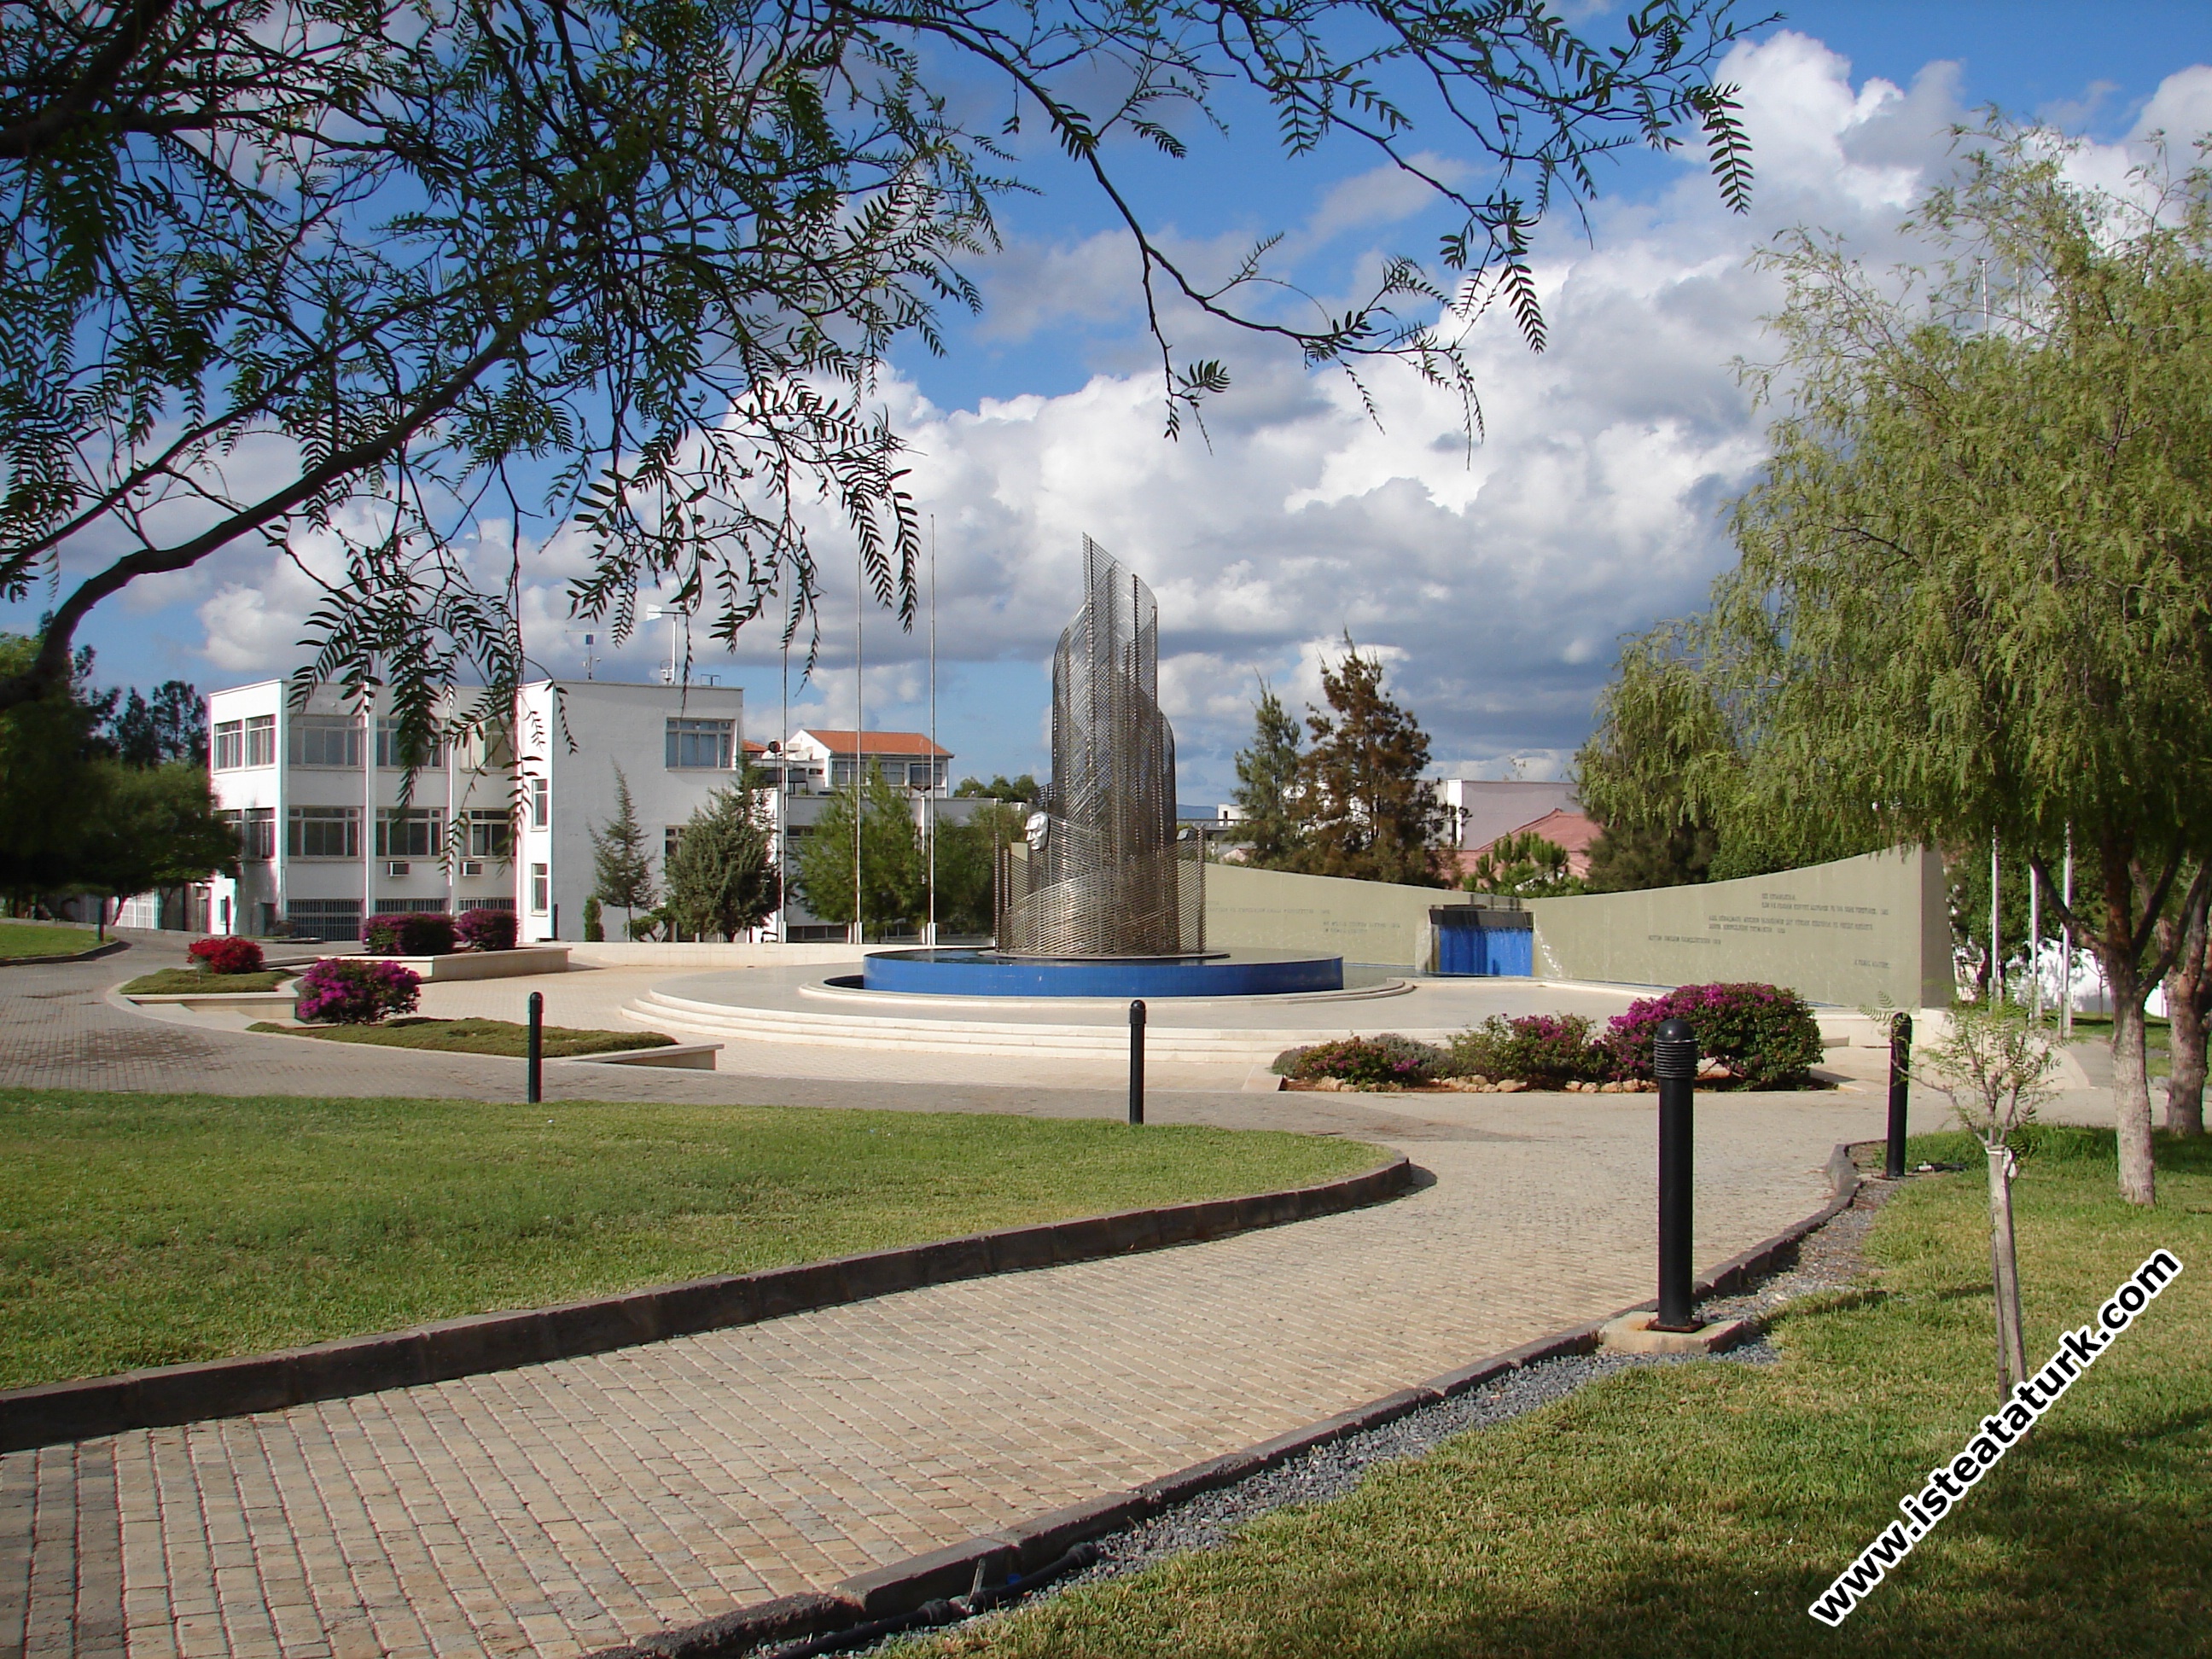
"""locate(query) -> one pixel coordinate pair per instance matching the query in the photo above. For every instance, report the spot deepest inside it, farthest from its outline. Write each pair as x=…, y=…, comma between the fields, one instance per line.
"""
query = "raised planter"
x=519, y=962
x=196, y=1000
x=683, y=1056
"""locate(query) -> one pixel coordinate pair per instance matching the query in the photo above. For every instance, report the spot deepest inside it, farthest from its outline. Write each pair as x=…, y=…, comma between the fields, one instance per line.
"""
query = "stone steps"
x=944, y=1035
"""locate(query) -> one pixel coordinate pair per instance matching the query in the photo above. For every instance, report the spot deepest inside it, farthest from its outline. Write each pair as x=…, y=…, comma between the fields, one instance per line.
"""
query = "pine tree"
x=622, y=868
x=722, y=878
x=1366, y=809
x=1522, y=864
x=1267, y=784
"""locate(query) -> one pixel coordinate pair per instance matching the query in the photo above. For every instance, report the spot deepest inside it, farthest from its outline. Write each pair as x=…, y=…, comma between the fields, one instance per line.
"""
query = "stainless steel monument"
x=1102, y=876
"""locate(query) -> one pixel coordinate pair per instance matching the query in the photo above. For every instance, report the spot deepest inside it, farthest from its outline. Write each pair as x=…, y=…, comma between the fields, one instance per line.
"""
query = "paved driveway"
x=569, y=1506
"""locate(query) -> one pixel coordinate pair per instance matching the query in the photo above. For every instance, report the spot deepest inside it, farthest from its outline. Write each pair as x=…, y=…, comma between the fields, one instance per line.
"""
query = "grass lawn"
x=36, y=938
x=477, y=1036
x=1699, y=1509
x=146, y=1229
x=189, y=981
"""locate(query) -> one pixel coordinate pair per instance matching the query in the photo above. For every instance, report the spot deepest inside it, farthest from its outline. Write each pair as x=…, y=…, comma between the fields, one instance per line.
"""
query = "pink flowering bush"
x=1536, y=1048
x=342, y=991
x=1763, y=1034
x=227, y=955
x=1384, y=1060
x=486, y=930
x=408, y=933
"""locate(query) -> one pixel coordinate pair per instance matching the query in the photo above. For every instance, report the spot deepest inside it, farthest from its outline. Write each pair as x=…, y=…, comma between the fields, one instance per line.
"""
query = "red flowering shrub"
x=1764, y=1035
x=227, y=955
x=347, y=991
x=488, y=930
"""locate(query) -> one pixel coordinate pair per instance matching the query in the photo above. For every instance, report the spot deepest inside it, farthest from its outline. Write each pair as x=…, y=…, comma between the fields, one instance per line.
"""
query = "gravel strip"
x=1829, y=1259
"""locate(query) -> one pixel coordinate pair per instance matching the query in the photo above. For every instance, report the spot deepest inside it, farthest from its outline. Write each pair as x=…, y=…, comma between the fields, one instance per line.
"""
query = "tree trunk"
x=2123, y=977
x=2130, y=1082
x=2188, y=999
x=2005, y=1262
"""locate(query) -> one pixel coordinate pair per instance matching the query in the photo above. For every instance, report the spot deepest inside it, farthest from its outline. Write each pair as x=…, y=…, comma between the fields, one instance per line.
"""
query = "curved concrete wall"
x=1854, y=933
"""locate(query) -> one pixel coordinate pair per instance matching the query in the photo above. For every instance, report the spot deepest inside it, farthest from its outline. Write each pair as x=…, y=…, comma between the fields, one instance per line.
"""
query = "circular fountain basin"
x=953, y=972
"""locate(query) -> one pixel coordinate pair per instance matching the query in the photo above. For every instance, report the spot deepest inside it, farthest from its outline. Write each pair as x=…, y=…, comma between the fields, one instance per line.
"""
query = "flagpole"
x=860, y=743
x=929, y=800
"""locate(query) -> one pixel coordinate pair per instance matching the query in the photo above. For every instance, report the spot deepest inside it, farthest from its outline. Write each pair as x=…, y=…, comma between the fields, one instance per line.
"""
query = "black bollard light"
x=1675, y=1062
x=1901, y=1089
x=1137, y=1061
x=537, y=1049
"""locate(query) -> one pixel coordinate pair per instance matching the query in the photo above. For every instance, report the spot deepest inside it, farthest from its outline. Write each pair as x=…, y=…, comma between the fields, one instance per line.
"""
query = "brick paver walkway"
x=569, y=1506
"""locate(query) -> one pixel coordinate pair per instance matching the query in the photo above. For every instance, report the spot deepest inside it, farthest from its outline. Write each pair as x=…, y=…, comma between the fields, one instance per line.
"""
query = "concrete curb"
x=905, y=1585
x=57, y=1414
x=93, y=955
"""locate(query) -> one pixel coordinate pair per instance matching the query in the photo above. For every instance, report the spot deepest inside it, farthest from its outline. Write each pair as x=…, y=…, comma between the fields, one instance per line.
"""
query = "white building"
x=330, y=834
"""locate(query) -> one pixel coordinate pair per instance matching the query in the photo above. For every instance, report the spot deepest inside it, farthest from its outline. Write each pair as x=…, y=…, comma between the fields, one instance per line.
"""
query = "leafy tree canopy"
x=1001, y=787
x=356, y=268
x=1975, y=591
x=892, y=879
x=75, y=818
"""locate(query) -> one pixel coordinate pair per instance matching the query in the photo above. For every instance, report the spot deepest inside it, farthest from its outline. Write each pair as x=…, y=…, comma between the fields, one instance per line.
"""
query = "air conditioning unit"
x=396, y=867
x=472, y=866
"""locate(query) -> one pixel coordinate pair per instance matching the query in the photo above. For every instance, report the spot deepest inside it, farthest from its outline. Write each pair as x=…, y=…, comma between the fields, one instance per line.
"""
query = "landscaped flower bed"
x=1751, y=1036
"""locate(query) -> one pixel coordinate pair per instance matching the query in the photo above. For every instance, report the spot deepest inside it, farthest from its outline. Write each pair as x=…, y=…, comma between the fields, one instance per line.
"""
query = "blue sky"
x=1496, y=589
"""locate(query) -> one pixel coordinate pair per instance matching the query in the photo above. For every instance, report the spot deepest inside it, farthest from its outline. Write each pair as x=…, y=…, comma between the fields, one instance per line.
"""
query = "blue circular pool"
x=981, y=973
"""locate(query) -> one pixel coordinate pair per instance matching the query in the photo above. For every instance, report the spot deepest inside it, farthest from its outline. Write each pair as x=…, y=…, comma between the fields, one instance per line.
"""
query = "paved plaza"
x=566, y=1507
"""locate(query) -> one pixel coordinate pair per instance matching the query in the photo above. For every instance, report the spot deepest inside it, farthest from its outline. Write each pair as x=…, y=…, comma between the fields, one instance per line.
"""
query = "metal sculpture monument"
x=1103, y=876
x=1106, y=901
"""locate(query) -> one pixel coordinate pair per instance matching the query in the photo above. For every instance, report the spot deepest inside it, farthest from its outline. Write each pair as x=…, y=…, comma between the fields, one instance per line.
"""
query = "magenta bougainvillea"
x=342, y=991
x=1763, y=1034
x=408, y=933
x=488, y=929
x=1386, y=1059
x=226, y=956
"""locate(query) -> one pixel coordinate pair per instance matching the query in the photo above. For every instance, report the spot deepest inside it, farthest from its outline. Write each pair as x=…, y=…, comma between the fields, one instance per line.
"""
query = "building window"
x=541, y=889
x=230, y=746
x=541, y=803
x=468, y=904
x=841, y=774
x=323, y=740
x=392, y=752
x=261, y=740
x=408, y=832
x=324, y=832
x=491, y=834
x=921, y=777
x=701, y=744
x=670, y=838
x=257, y=832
